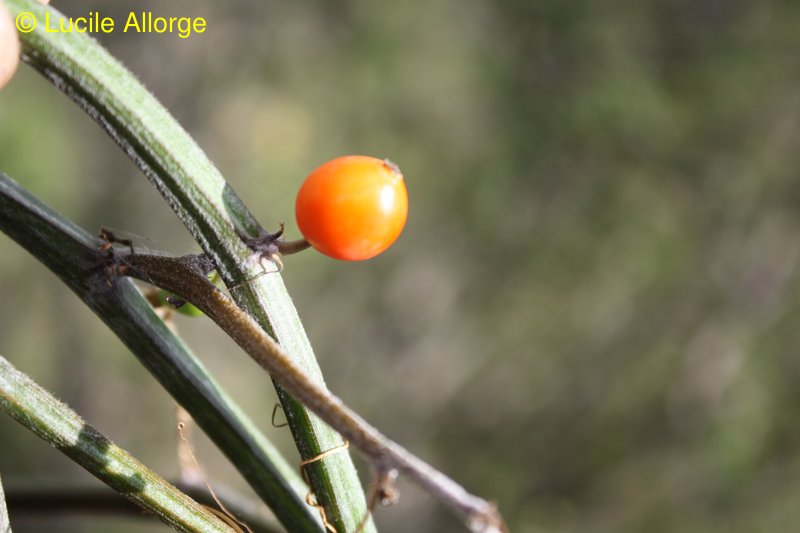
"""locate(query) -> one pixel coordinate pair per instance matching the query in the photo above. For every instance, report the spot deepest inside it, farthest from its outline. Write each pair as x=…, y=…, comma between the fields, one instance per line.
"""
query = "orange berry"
x=353, y=207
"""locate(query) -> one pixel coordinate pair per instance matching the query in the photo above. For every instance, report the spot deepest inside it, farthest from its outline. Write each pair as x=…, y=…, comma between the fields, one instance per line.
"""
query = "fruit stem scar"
x=391, y=165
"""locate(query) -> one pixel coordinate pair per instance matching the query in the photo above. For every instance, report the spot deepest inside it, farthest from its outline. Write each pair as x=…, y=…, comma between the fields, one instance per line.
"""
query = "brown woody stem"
x=185, y=277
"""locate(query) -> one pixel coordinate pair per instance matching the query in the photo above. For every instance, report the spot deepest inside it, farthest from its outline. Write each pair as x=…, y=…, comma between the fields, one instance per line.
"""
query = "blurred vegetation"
x=592, y=315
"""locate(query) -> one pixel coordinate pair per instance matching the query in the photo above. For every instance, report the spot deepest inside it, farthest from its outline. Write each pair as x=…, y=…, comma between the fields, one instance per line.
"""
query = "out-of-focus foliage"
x=592, y=316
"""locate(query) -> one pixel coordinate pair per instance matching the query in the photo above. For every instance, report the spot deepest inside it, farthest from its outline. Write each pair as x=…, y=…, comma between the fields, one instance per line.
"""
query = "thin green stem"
x=51, y=420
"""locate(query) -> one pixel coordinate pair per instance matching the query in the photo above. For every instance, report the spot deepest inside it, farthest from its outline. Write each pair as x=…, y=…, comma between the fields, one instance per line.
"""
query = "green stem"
x=211, y=211
x=39, y=411
x=74, y=256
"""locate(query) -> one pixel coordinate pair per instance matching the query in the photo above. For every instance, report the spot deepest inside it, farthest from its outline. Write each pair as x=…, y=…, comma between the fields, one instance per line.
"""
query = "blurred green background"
x=592, y=316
